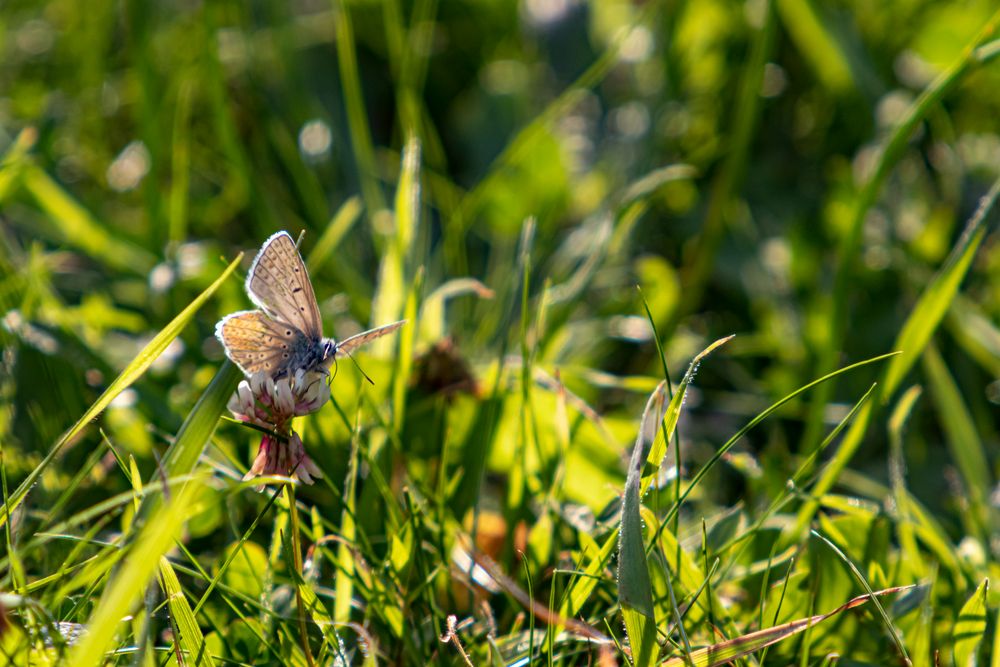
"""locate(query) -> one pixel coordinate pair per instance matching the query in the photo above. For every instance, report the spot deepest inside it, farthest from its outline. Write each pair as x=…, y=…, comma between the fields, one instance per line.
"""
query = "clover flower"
x=271, y=405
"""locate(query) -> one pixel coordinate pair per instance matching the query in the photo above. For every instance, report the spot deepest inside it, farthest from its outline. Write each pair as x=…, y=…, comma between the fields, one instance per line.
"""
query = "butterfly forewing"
x=279, y=283
x=285, y=336
x=348, y=345
x=255, y=342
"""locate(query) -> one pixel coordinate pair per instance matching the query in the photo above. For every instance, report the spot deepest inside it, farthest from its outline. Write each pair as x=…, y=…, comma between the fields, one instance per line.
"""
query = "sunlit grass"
x=568, y=203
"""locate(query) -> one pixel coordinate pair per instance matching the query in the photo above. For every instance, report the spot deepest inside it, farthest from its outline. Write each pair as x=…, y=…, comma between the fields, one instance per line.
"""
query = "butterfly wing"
x=279, y=284
x=255, y=342
x=347, y=345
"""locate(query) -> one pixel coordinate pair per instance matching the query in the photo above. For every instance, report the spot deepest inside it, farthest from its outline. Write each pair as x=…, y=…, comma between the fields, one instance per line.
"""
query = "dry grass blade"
x=727, y=651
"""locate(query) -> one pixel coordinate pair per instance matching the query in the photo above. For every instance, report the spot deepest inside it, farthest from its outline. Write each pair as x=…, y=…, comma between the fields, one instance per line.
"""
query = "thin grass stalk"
x=850, y=246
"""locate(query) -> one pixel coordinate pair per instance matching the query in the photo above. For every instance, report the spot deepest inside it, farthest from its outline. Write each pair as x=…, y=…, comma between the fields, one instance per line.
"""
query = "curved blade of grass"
x=754, y=422
x=635, y=591
x=732, y=649
x=79, y=228
x=818, y=44
x=912, y=559
x=130, y=374
x=190, y=639
x=646, y=185
x=878, y=605
x=13, y=161
x=432, y=311
x=127, y=587
x=659, y=448
x=970, y=627
x=342, y=221
x=963, y=442
x=587, y=580
x=852, y=241
x=393, y=282
x=939, y=294
x=921, y=324
x=580, y=590
x=357, y=117
x=182, y=455
x=162, y=519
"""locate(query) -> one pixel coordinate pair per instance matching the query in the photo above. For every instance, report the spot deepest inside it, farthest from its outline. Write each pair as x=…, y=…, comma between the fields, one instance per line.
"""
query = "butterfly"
x=286, y=334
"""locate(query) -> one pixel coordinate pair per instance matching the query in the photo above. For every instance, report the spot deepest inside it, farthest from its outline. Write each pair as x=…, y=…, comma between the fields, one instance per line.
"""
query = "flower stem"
x=297, y=564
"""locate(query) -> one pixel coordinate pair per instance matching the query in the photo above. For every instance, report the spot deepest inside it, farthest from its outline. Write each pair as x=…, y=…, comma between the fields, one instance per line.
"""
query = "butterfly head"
x=329, y=351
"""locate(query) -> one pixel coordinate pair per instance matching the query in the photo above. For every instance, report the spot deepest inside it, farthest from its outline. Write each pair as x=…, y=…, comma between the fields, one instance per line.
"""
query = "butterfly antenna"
x=298, y=241
x=361, y=370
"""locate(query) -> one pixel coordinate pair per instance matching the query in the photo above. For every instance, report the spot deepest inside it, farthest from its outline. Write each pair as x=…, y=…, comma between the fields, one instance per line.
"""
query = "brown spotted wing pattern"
x=256, y=343
x=279, y=284
x=286, y=334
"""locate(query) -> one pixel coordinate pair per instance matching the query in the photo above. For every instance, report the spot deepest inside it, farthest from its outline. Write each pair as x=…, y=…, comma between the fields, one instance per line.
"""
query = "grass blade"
x=817, y=43
x=864, y=582
x=673, y=413
x=393, y=281
x=342, y=221
x=357, y=118
x=913, y=338
x=893, y=150
x=126, y=588
x=635, y=591
x=132, y=372
x=970, y=627
x=191, y=641
x=194, y=433
x=732, y=649
x=963, y=442
x=939, y=294
x=79, y=228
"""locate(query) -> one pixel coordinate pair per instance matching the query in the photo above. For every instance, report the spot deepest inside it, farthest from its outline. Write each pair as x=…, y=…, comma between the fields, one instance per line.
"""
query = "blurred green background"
x=713, y=153
x=709, y=152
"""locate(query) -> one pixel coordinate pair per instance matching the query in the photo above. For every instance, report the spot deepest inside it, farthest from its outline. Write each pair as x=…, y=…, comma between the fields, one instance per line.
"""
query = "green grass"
x=772, y=224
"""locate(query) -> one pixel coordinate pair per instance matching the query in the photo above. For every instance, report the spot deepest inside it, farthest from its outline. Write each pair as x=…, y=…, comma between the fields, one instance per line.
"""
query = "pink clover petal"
x=309, y=466
x=246, y=395
x=234, y=405
x=284, y=400
x=260, y=462
x=299, y=381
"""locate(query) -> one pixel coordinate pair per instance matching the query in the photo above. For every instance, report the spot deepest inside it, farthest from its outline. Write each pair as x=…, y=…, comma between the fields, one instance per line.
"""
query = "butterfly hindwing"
x=347, y=345
x=255, y=342
x=285, y=335
x=279, y=283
